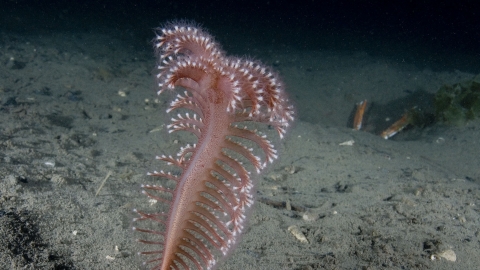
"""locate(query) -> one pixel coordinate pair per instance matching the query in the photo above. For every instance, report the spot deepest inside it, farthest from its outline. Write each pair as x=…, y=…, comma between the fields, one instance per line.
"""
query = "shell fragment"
x=297, y=233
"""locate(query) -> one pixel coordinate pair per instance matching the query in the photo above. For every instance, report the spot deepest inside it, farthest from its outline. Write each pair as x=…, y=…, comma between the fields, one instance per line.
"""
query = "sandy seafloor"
x=379, y=204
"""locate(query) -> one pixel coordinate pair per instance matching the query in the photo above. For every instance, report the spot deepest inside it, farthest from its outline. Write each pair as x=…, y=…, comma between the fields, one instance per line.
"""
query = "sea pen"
x=220, y=98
